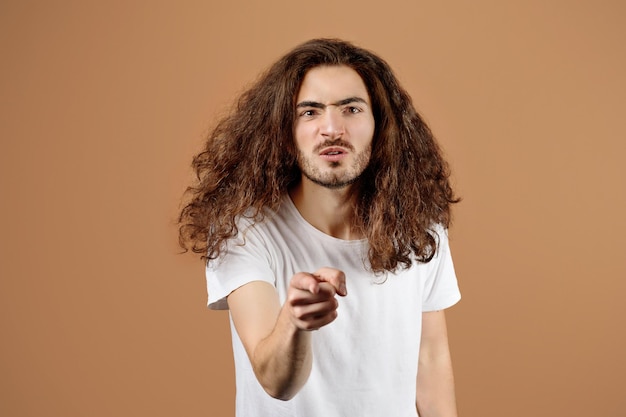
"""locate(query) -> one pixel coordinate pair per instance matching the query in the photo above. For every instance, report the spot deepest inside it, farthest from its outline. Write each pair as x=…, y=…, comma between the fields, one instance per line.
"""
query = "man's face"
x=334, y=126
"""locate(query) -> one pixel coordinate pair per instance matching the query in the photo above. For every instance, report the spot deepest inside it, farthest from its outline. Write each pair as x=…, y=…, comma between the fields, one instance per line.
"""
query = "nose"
x=332, y=124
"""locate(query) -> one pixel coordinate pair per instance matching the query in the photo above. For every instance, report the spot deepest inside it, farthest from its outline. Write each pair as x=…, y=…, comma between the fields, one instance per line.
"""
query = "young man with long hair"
x=321, y=206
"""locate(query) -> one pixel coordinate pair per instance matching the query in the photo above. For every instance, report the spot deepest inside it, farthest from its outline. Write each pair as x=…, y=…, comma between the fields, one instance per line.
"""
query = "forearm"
x=435, y=387
x=278, y=339
x=282, y=361
x=435, y=380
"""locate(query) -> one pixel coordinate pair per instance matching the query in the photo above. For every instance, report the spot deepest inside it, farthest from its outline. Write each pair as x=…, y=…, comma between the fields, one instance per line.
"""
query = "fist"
x=311, y=298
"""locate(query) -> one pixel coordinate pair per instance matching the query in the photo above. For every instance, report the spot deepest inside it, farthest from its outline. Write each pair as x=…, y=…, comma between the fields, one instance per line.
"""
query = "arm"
x=435, y=381
x=278, y=339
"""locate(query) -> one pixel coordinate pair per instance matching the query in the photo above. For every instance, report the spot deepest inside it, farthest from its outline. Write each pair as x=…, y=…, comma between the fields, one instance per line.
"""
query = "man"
x=322, y=206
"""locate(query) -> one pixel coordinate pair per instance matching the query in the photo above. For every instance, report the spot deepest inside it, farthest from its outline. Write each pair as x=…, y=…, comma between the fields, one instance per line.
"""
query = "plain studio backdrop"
x=103, y=105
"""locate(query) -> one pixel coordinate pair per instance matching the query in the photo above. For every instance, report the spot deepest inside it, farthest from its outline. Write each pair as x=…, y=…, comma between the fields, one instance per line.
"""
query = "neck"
x=328, y=210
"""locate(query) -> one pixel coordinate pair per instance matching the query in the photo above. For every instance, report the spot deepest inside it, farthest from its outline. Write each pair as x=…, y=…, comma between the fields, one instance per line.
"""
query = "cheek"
x=302, y=135
x=365, y=131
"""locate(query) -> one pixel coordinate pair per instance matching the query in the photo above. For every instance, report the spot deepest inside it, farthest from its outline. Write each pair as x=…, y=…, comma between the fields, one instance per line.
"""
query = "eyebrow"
x=319, y=105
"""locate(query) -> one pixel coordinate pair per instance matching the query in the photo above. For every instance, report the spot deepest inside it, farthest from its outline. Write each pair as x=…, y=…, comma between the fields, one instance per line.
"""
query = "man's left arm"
x=435, y=380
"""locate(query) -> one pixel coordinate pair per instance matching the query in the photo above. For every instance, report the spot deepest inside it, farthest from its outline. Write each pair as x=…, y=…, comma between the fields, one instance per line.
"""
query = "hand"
x=311, y=298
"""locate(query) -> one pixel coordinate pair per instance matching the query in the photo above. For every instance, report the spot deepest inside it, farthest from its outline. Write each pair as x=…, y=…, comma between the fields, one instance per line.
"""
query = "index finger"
x=333, y=276
x=306, y=282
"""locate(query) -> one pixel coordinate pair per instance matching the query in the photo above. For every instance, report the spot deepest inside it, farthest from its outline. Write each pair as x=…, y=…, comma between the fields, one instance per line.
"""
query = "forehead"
x=327, y=84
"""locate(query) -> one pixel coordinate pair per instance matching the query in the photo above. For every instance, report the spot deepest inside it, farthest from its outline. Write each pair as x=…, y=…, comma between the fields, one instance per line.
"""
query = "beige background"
x=103, y=104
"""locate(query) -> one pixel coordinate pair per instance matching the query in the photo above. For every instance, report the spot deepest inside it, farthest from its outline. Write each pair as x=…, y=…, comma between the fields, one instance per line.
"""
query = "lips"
x=332, y=151
x=333, y=154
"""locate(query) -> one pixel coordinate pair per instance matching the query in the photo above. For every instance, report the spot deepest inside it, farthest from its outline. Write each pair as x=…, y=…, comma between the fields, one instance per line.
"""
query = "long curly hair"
x=249, y=162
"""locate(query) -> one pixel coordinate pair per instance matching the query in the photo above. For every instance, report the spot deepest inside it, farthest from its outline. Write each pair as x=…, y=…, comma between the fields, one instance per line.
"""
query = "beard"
x=334, y=175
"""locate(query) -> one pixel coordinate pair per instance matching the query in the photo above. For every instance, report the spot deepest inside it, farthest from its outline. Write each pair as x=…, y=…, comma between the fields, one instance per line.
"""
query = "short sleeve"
x=244, y=260
x=441, y=288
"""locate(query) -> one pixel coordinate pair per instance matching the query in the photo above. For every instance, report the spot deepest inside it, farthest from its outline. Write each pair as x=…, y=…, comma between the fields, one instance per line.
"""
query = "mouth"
x=332, y=151
x=333, y=154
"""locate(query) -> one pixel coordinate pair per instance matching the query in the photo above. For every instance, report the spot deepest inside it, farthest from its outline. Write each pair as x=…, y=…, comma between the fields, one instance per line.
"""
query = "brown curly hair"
x=249, y=162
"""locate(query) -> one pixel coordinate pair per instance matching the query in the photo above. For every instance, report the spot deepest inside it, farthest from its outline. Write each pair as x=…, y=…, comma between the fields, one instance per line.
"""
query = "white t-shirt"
x=365, y=362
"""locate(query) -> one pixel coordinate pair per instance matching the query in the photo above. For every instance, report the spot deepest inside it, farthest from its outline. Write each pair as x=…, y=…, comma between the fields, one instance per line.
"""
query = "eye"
x=353, y=110
x=308, y=113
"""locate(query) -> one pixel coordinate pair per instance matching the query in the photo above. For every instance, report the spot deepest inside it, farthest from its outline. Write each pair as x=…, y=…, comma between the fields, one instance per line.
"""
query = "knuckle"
x=310, y=326
x=298, y=312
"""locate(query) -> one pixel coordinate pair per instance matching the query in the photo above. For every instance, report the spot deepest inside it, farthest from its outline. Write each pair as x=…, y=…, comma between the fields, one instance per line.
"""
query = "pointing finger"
x=334, y=277
x=306, y=282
